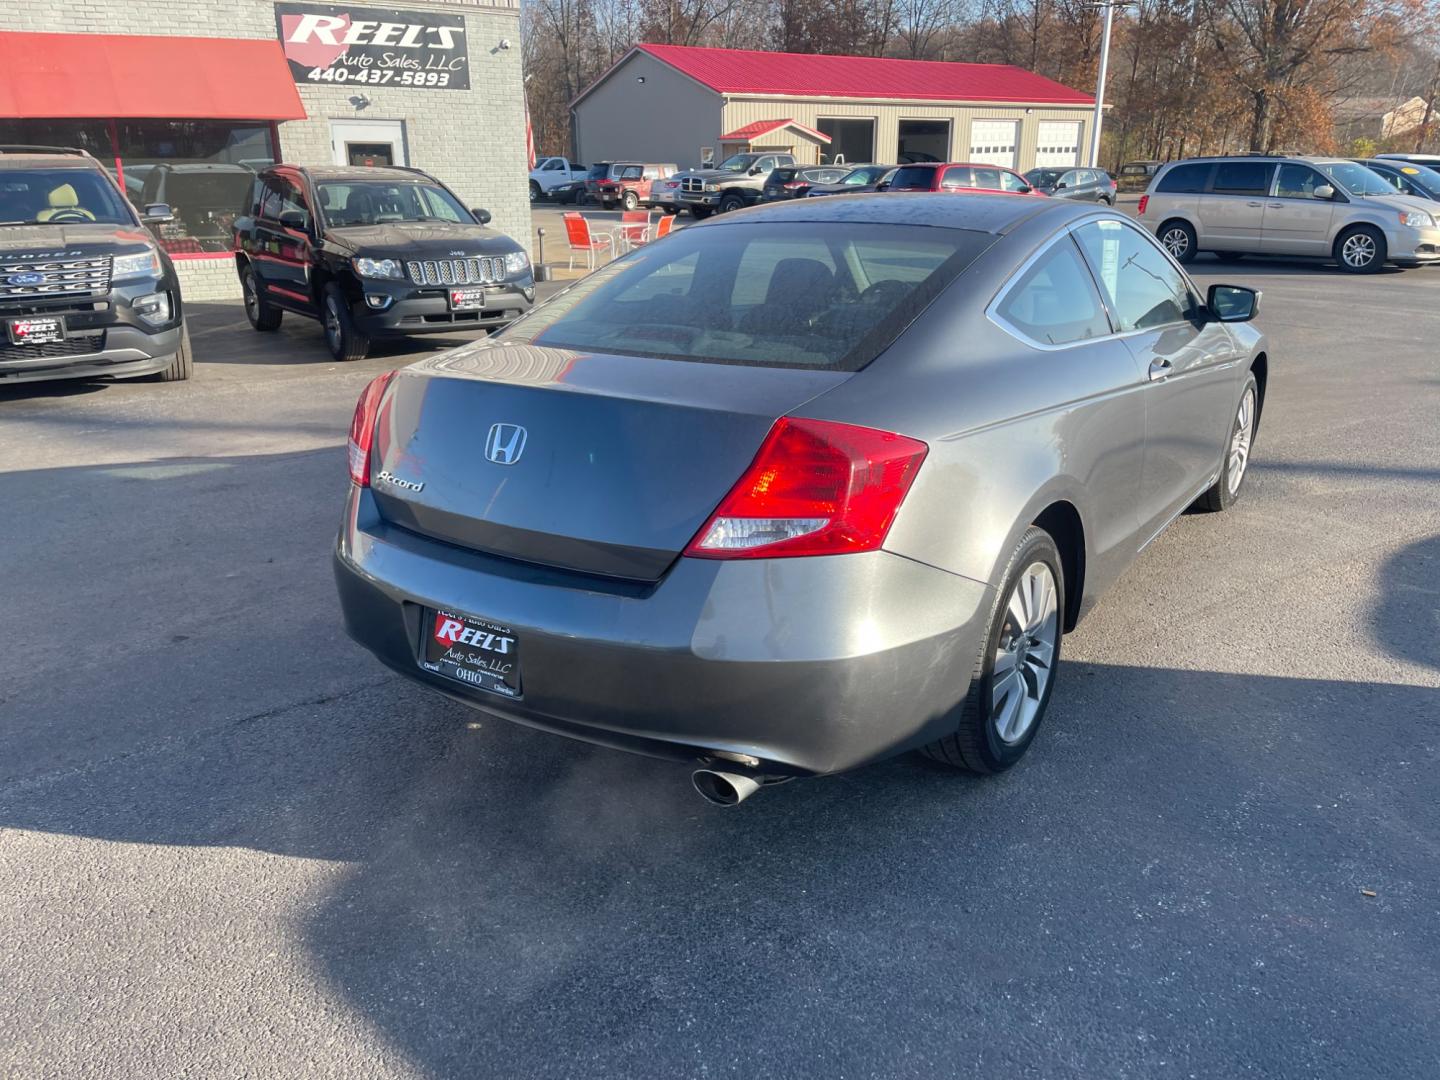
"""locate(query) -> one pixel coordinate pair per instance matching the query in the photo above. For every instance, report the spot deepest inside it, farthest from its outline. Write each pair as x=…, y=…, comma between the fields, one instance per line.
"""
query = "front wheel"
x=182, y=366
x=535, y=191
x=732, y=202
x=630, y=200
x=344, y=340
x=1015, y=671
x=1178, y=238
x=1360, y=250
x=1226, y=489
x=262, y=316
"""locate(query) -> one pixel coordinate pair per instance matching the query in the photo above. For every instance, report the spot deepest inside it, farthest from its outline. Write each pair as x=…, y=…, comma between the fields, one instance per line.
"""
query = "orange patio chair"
x=635, y=227
x=577, y=231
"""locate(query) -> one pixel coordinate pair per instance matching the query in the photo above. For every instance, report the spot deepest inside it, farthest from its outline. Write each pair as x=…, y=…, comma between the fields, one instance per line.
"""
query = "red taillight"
x=1141, y=208
x=816, y=487
x=362, y=428
x=794, y=184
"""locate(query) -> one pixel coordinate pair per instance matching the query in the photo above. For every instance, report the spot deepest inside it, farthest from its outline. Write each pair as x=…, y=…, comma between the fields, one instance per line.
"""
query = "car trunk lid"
x=590, y=462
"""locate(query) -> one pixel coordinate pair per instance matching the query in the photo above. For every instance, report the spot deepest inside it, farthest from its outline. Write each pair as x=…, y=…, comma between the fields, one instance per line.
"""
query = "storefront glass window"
x=202, y=169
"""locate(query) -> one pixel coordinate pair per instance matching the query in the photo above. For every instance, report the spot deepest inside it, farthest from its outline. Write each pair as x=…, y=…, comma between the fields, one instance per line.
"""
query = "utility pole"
x=1109, y=7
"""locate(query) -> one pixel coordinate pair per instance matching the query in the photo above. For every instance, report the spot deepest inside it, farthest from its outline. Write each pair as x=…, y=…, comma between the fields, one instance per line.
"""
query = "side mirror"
x=158, y=213
x=1024, y=189
x=294, y=219
x=482, y=216
x=1324, y=192
x=882, y=186
x=1233, y=303
x=1061, y=186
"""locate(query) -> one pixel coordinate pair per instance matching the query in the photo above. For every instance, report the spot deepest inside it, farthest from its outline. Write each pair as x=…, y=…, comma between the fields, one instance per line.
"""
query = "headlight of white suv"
x=146, y=264
x=378, y=268
x=516, y=262
x=1418, y=219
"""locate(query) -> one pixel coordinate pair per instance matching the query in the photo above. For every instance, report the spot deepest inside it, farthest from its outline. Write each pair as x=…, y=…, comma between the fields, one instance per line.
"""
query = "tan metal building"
x=673, y=103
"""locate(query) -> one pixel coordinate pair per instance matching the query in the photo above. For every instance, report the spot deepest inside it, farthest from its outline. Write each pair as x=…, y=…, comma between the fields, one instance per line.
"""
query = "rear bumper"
x=810, y=665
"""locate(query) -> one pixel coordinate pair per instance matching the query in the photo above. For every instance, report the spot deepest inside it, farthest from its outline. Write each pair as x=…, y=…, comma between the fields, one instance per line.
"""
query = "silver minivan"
x=1311, y=206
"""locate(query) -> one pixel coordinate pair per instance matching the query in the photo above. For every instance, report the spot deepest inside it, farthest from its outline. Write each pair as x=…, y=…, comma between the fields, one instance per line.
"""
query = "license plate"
x=473, y=651
x=466, y=299
x=36, y=330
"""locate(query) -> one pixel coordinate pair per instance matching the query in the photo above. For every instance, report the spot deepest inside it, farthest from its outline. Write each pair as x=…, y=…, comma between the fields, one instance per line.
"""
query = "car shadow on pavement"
x=220, y=334
x=1171, y=882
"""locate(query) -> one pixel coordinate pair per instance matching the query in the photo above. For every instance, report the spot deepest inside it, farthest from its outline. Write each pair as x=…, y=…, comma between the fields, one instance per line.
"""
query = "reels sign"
x=328, y=43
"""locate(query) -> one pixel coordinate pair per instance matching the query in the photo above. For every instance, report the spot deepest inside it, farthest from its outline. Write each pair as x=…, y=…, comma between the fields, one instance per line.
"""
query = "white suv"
x=1323, y=207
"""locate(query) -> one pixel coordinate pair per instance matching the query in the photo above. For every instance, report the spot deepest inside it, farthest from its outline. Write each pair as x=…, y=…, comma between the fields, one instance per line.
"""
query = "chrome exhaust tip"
x=722, y=788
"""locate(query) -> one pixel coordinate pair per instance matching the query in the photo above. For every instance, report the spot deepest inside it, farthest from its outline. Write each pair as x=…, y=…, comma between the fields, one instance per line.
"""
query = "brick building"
x=186, y=115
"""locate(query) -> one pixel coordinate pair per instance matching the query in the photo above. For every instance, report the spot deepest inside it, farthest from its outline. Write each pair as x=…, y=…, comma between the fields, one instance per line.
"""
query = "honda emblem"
x=505, y=444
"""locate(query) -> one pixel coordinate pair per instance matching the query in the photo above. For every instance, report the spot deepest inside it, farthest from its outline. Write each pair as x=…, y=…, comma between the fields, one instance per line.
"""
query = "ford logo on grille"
x=27, y=279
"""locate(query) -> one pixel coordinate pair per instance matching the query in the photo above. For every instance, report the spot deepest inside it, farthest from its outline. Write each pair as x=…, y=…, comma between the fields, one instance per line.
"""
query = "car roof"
x=983, y=213
x=380, y=173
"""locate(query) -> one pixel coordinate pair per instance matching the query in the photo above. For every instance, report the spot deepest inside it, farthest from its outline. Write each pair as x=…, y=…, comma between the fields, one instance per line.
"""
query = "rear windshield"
x=60, y=197
x=827, y=295
x=913, y=178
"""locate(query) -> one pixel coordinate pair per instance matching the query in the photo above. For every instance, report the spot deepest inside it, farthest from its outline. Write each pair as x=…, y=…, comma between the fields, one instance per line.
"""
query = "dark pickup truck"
x=374, y=253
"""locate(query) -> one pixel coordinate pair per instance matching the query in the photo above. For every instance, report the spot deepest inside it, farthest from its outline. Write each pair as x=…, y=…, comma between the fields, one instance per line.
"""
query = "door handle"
x=1275, y=205
x=1252, y=204
x=1159, y=369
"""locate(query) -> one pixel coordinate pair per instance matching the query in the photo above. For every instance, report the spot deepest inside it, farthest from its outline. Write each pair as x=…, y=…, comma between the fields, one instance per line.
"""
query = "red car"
x=629, y=184
x=960, y=176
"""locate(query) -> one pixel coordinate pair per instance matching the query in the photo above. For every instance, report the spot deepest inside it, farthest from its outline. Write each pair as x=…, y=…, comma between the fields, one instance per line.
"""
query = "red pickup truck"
x=630, y=184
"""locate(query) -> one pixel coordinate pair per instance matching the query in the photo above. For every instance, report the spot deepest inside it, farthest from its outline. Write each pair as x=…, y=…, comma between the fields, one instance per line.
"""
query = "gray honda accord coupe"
x=802, y=487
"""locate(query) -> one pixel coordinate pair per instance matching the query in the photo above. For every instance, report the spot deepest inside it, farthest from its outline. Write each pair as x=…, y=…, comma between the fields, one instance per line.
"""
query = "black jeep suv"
x=84, y=290
x=374, y=253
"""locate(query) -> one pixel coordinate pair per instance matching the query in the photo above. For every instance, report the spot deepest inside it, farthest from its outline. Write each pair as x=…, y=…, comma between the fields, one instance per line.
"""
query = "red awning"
x=44, y=76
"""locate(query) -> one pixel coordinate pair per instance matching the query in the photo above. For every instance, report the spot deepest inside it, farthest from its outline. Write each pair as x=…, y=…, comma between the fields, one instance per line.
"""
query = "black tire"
x=731, y=202
x=262, y=316
x=1178, y=238
x=1360, y=250
x=182, y=367
x=535, y=193
x=629, y=200
x=977, y=744
x=342, y=338
x=1223, y=494
x=700, y=213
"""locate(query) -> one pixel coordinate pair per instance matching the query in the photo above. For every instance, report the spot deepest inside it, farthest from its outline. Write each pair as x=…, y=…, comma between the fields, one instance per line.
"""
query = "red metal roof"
x=751, y=132
x=743, y=71
x=141, y=76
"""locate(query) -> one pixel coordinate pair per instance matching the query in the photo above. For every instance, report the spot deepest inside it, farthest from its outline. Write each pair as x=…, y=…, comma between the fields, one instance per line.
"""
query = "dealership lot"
x=232, y=844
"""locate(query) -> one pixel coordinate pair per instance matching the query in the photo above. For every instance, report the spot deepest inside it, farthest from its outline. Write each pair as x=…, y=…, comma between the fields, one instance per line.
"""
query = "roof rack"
x=21, y=148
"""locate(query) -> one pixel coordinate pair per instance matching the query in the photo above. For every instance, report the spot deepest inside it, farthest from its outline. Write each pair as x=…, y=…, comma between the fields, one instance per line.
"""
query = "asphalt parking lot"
x=233, y=845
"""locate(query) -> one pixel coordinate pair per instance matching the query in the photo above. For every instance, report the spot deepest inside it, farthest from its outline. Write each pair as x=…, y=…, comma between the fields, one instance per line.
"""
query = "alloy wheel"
x=1176, y=241
x=1025, y=654
x=1358, y=250
x=1240, y=441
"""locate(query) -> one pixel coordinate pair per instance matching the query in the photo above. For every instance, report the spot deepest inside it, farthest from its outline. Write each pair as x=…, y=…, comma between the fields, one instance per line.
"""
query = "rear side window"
x=824, y=295
x=1054, y=302
x=1189, y=178
x=1242, y=178
x=1142, y=286
x=988, y=179
x=913, y=178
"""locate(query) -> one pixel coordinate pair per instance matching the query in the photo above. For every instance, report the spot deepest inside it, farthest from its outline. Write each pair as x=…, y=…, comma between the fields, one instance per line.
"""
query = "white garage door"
x=1058, y=143
x=994, y=141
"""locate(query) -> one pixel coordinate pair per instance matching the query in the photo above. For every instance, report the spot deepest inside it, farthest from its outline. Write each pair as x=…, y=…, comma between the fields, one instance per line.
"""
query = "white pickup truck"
x=549, y=173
